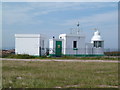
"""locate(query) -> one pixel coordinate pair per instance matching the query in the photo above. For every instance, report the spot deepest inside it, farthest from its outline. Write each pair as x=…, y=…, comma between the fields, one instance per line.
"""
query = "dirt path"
x=61, y=60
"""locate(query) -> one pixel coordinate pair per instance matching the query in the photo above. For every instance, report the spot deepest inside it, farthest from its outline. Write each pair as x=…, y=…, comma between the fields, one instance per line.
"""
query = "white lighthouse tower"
x=98, y=43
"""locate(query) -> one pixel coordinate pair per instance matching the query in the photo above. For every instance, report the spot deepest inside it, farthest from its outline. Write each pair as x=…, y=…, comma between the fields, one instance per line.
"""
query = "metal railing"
x=84, y=51
x=71, y=51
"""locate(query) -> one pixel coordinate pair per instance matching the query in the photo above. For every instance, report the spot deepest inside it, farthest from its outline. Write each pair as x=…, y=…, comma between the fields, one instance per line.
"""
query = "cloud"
x=33, y=13
x=106, y=22
x=26, y=13
x=94, y=20
x=46, y=8
x=61, y=1
x=18, y=15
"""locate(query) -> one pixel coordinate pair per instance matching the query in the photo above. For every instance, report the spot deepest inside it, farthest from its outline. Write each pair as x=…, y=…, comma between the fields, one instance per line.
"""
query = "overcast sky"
x=53, y=19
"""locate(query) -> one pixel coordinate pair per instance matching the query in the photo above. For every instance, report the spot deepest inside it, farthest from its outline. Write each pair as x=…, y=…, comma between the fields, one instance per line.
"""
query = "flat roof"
x=28, y=35
x=72, y=35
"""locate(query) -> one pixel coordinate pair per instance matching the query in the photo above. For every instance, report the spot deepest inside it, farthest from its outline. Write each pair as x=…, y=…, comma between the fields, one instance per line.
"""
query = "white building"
x=32, y=44
x=67, y=44
x=74, y=44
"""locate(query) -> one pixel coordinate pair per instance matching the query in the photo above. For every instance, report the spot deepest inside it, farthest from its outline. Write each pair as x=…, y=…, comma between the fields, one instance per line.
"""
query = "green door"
x=58, y=50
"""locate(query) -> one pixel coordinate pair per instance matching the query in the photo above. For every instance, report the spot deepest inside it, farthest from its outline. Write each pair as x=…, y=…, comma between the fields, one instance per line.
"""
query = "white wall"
x=89, y=48
x=51, y=46
x=98, y=51
x=30, y=44
x=68, y=44
x=80, y=45
x=27, y=46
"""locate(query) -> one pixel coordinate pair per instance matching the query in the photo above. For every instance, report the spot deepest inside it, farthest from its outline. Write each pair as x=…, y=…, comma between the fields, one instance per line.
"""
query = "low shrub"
x=26, y=56
x=112, y=53
x=19, y=56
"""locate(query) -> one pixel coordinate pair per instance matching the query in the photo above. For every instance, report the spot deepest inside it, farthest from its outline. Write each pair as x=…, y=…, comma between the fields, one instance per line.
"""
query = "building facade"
x=67, y=44
x=75, y=45
x=32, y=44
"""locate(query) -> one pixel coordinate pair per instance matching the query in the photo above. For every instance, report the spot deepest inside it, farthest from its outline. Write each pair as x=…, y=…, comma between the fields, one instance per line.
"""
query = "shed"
x=32, y=44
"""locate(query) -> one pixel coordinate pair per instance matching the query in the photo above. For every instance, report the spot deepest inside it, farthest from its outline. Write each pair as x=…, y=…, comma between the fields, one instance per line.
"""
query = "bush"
x=18, y=56
x=112, y=53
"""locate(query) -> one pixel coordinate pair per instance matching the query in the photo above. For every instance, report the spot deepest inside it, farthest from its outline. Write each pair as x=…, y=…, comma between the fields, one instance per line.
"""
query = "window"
x=74, y=44
x=97, y=44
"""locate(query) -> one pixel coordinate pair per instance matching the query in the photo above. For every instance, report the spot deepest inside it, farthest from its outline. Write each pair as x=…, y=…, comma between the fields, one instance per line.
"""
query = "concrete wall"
x=29, y=44
x=89, y=48
x=51, y=46
x=98, y=51
x=68, y=44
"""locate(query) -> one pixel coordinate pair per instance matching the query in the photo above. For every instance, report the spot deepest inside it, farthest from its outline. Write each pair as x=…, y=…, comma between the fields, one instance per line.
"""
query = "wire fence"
x=71, y=51
x=83, y=51
x=112, y=52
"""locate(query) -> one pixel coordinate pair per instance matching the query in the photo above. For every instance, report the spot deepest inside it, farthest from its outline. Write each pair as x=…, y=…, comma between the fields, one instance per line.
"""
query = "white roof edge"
x=29, y=35
x=62, y=35
x=56, y=39
x=72, y=35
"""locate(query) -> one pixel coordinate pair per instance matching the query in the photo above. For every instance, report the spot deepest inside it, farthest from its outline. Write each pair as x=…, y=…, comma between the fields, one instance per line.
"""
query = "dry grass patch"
x=28, y=74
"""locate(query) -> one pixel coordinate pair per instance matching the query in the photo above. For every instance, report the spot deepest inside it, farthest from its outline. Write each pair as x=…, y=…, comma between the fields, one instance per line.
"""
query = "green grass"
x=28, y=74
x=25, y=56
x=18, y=56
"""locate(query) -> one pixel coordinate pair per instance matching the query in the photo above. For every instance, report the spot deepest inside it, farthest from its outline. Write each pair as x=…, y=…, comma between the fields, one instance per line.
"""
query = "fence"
x=111, y=52
x=82, y=52
x=71, y=51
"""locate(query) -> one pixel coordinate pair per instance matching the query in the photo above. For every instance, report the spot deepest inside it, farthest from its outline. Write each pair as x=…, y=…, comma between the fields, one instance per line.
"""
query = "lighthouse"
x=69, y=44
x=98, y=43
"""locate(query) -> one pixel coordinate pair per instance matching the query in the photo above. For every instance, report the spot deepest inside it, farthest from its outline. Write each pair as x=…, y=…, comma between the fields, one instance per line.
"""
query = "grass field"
x=26, y=56
x=28, y=74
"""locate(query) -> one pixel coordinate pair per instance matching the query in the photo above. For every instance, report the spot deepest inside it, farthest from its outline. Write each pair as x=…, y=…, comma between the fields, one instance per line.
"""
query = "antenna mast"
x=78, y=30
x=75, y=30
x=95, y=29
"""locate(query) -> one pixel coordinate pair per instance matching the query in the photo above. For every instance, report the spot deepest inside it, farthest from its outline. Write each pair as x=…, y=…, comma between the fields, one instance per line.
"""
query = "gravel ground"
x=61, y=60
